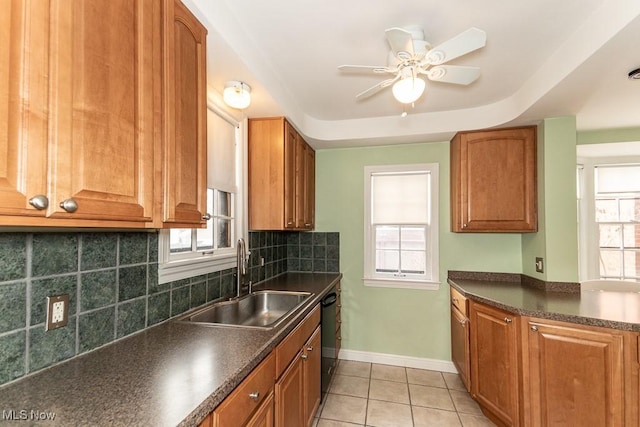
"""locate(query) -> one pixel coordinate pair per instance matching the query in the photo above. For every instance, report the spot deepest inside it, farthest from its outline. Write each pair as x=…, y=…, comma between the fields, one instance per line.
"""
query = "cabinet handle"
x=206, y=216
x=39, y=202
x=455, y=300
x=290, y=223
x=304, y=356
x=462, y=322
x=309, y=348
x=534, y=328
x=254, y=396
x=507, y=320
x=464, y=225
x=306, y=224
x=69, y=205
x=339, y=305
x=339, y=338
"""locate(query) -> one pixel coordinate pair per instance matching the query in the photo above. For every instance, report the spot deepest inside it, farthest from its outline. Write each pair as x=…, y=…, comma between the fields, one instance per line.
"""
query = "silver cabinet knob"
x=507, y=320
x=464, y=225
x=207, y=216
x=304, y=356
x=462, y=322
x=39, y=202
x=290, y=223
x=69, y=205
x=309, y=348
x=254, y=395
x=534, y=328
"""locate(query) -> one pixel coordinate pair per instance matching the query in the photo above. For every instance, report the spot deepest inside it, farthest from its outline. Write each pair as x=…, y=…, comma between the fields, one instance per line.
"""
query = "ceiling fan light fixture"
x=408, y=90
x=237, y=94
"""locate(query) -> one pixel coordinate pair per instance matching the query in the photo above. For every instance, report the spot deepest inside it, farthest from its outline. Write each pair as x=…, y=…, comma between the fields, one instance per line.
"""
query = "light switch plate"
x=57, y=312
x=539, y=265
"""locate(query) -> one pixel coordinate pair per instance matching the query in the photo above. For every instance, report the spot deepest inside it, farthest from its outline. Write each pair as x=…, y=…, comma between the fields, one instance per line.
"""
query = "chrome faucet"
x=241, y=259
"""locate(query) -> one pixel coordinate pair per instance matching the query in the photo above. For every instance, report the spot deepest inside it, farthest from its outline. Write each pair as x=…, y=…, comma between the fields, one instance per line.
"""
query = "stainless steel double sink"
x=261, y=309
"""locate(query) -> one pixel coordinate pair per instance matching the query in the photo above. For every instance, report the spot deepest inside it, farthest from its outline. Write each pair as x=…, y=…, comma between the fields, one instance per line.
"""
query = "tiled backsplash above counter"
x=112, y=281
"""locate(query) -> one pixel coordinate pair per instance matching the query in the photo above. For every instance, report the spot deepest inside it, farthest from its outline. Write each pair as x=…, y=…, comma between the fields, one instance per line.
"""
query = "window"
x=188, y=252
x=401, y=226
x=617, y=217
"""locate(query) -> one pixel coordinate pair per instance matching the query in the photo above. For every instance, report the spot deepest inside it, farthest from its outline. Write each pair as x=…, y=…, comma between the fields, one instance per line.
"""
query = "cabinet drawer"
x=459, y=301
x=239, y=405
x=290, y=346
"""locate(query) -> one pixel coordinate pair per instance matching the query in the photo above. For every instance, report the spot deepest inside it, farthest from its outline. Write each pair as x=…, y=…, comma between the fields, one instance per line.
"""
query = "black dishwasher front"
x=329, y=350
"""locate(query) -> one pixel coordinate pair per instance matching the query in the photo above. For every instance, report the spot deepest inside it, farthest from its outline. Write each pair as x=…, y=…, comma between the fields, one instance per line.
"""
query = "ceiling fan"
x=411, y=57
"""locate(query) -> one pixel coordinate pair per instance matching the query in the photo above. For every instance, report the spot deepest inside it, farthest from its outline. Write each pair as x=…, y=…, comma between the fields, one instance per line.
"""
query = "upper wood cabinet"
x=185, y=127
x=281, y=177
x=81, y=114
x=493, y=181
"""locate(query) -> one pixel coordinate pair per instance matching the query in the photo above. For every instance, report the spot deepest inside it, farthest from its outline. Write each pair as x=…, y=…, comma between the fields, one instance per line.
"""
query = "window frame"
x=431, y=279
x=589, y=243
x=172, y=267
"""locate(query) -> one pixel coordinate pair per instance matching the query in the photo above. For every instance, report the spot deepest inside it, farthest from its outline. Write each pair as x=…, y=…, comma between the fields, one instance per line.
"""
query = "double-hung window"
x=188, y=252
x=617, y=216
x=401, y=226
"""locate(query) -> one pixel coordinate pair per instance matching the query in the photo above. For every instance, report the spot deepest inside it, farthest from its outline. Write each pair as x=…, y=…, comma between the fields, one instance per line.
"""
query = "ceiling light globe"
x=237, y=94
x=408, y=90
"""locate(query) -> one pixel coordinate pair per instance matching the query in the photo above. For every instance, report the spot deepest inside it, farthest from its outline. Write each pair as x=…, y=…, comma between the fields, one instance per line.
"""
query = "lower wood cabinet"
x=460, y=337
x=284, y=389
x=539, y=372
x=574, y=375
x=494, y=362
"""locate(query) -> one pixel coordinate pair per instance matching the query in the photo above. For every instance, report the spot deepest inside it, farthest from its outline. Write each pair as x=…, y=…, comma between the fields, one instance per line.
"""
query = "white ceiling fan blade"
x=463, y=43
x=453, y=74
x=374, y=89
x=400, y=41
x=359, y=68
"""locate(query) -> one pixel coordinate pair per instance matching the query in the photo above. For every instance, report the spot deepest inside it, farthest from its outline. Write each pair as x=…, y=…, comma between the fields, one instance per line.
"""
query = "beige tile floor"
x=366, y=394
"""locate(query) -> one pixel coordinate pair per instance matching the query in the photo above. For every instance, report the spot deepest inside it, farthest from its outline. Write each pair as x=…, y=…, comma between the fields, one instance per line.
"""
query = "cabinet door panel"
x=289, y=404
x=460, y=345
x=102, y=130
x=185, y=127
x=312, y=375
x=494, y=363
x=24, y=45
x=585, y=388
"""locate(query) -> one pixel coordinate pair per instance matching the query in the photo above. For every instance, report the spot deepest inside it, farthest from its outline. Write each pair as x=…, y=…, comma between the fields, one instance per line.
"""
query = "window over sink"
x=186, y=252
x=401, y=226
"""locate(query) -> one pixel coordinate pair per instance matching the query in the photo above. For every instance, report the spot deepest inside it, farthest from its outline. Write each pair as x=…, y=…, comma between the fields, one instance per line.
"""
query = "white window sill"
x=185, y=268
x=402, y=284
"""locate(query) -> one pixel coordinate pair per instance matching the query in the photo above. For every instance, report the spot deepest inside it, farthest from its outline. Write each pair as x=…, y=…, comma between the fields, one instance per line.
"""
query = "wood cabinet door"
x=24, y=43
x=494, y=363
x=289, y=395
x=494, y=181
x=310, y=188
x=103, y=100
x=185, y=163
x=264, y=416
x=575, y=375
x=312, y=375
x=460, y=345
x=291, y=141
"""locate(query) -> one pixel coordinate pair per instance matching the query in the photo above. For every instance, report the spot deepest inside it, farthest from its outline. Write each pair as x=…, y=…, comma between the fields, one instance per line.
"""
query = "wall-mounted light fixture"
x=237, y=94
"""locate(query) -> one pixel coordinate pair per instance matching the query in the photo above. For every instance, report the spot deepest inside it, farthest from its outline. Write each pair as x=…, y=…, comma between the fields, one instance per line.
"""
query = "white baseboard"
x=396, y=360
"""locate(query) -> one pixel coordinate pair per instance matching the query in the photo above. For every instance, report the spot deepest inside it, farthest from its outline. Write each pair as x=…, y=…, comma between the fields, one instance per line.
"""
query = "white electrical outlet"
x=57, y=311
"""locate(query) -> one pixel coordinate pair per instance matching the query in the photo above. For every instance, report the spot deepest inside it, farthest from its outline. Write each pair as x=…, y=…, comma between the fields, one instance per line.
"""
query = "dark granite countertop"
x=171, y=374
x=617, y=310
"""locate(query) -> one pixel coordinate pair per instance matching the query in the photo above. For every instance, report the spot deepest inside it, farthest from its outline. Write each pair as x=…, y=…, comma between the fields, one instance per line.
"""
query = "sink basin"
x=262, y=309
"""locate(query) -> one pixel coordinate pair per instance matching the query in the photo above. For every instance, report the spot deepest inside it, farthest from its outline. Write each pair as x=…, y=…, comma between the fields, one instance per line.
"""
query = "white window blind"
x=221, y=154
x=617, y=179
x=400, y=198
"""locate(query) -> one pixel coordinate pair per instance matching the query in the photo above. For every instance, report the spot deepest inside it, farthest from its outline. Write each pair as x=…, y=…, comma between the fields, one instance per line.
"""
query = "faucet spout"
x=241, y=265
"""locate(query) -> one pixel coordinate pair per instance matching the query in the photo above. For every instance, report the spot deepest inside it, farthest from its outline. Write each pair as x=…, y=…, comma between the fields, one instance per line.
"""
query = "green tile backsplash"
x=112, y=282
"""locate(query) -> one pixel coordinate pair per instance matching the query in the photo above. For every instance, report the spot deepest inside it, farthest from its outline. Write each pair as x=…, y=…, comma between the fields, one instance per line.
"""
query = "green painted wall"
x=608, y=135
x=557, y=237
x=398, y=321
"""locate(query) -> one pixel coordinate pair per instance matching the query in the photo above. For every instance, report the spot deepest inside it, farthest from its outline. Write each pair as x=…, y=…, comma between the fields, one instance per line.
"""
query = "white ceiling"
x=543, y=58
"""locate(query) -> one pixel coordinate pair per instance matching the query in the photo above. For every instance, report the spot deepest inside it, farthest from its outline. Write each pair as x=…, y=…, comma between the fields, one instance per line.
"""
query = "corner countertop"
x=171, y=374
x=616, y=310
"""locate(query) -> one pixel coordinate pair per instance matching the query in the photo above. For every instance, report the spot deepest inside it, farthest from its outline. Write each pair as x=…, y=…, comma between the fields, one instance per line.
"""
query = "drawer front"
x=236, y=409
x=459, y=301
x=291, y=345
